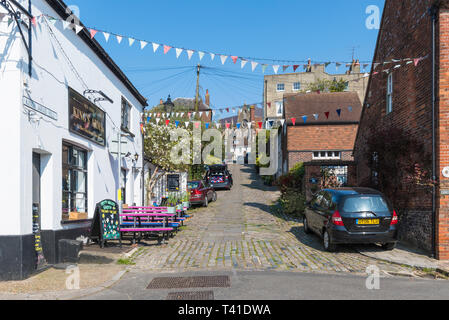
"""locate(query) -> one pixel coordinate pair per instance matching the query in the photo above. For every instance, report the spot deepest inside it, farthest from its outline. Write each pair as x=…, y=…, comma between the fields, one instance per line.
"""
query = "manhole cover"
x=190, y=282
x=195, y=295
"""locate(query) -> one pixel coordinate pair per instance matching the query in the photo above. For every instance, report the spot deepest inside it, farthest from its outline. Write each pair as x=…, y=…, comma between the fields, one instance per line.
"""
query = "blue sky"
x=276, y=29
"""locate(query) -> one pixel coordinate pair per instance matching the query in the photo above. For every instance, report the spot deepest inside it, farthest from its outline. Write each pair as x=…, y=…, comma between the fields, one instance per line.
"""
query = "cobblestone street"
x=241, y=232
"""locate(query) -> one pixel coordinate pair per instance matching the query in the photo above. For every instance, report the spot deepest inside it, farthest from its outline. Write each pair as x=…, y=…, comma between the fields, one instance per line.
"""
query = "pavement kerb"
x=437, y=269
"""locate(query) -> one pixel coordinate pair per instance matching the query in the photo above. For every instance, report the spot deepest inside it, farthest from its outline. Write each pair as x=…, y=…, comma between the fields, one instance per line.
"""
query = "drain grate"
x=190, y=282
x=194, y=295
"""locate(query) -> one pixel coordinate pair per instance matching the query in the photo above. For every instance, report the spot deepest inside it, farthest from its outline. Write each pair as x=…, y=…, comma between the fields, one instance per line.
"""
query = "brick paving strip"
x=241, y=232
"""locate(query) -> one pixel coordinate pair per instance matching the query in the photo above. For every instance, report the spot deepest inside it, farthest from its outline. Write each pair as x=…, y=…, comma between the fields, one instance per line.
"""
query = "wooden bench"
x=141, y=225
x=179, y=217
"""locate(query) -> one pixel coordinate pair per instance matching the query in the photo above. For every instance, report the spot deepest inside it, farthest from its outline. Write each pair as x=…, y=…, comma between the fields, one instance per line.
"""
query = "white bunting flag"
x=65, y=24
x=223, y=59
x=155, y=46
x=157, y=121
x=187, y=124
x=207, y=113
x=254, y=65
x=243, y=63
x=218, y=125
x=119, y=39
x=143, y=44
x=53, y=21
x=201, y=55
x=397, y=66
x=366, y=75
x=249, y=125
x=131, y=41
x=78, y=28
x=182, y=114
x=212, y=56
x=189, y=54
x=282, y=122
x=201, y=114
x=106, y=36
x=276, y=68
x=178, y=52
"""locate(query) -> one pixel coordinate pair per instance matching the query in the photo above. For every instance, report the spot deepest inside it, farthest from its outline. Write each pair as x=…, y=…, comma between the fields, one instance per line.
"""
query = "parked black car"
x=351, y=215
x=219, y=177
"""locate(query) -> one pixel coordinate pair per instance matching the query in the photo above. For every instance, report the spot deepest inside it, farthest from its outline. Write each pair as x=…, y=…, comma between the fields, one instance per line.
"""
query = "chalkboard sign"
x=106, y=222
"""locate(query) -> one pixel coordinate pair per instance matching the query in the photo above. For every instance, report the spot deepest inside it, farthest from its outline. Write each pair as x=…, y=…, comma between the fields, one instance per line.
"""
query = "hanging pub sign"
x=86, y=119
x=106, y=222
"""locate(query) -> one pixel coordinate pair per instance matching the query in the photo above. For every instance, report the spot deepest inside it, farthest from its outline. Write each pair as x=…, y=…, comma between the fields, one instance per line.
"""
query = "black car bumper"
x=345, y=237
x=225, y=185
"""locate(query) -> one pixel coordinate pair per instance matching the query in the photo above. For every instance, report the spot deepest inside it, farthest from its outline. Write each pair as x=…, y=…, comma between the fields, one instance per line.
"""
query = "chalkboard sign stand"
x=106, y=223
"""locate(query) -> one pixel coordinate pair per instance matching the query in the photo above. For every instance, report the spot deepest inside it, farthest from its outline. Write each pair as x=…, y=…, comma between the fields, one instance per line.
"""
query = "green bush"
x=293, y=202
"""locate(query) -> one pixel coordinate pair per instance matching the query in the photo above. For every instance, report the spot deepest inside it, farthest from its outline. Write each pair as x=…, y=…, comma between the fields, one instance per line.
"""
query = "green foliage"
x=324, y=85
x=125, y=261
x=173, y=200
x=291, y=184
x=293, y=202
x=197, y=172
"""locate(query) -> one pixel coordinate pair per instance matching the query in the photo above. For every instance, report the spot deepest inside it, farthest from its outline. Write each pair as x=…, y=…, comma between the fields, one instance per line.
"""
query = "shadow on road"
x=314, y=241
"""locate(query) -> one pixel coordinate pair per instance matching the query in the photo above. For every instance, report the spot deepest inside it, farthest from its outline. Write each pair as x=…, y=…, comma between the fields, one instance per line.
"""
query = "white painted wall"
x=52, y=74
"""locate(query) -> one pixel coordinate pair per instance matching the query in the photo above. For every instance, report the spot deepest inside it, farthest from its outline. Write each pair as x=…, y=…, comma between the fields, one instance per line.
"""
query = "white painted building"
x=57, y=139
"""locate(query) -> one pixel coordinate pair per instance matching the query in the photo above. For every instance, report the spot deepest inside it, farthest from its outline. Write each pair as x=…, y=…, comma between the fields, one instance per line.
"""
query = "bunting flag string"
x=223, y=57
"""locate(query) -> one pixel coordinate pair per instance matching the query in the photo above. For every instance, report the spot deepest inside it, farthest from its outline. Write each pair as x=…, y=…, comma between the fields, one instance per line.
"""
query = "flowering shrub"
x=292, y=194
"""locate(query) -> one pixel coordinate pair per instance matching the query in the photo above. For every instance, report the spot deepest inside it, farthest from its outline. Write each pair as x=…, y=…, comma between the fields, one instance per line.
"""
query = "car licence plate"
x=368, y=221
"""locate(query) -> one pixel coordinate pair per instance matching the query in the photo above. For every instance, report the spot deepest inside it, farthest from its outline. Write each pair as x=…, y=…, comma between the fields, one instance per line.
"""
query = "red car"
x=201, y=192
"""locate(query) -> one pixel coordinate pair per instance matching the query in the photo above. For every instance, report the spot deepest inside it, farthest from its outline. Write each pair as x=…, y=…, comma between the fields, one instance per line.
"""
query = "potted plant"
x=172, y=202
x=185, y=201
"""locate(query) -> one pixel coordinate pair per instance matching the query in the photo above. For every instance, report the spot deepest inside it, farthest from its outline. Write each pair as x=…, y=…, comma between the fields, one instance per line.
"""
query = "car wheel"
x=389, y=246
x=306, y=225
x=206, y=202
x=327, y=242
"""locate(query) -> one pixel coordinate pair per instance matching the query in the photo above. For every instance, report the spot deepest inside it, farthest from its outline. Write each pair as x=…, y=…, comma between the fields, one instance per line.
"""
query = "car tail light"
x=196, y=192
x=395, y=218
x=337, y=220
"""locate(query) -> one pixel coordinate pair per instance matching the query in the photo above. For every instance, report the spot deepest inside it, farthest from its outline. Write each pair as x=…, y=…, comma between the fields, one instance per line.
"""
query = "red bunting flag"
x=234, y=58
x=417, y=61
x=269, y=104
x=327, y=114
x=166, y=49
x=33, y=21
x=197, y=124
x=227, y=109
x=167, y=122
x=228, y=125
x=295, y=67
x=294, y=121
x=285, y=68
x=260, y=123
x=93, y=33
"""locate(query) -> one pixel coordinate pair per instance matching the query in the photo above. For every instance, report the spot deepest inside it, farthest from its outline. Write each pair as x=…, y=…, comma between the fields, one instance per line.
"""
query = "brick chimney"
x=309, y=66
x=207, y=102
x=161, y=102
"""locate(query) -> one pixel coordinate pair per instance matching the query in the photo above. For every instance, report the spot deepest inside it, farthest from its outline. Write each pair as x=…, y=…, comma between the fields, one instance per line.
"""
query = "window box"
x=78, y=216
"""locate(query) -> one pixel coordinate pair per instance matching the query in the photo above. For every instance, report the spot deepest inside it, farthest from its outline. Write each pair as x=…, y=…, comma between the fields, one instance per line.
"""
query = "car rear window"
x=365, y=203
x=193, y=185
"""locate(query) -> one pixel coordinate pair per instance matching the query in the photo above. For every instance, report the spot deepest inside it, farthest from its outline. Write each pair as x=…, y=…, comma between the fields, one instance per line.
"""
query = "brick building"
x=276, y=86
x=400, y=99
x=323, y=142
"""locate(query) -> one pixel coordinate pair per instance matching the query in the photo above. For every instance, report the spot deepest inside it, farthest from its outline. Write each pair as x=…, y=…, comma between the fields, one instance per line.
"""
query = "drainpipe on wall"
x=434, y=12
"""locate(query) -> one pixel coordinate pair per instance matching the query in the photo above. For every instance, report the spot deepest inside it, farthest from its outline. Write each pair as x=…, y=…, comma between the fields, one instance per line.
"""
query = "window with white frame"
x=126, y=115
x=280, y=87
x=390, y=93
x=279, y=108
x=326, y=155
x=296, y=86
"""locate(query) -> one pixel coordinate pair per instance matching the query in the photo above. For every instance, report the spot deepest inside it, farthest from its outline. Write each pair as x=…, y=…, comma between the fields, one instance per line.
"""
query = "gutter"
x=434, y=11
